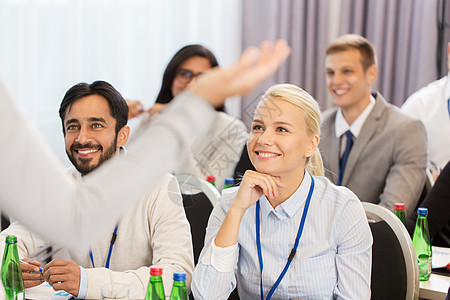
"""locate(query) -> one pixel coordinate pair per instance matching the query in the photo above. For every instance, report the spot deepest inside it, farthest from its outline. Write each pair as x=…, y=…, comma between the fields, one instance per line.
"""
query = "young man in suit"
x=368, y=145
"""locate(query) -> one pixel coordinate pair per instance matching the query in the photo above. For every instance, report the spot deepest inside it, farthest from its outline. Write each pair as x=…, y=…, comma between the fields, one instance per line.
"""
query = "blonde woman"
x=286, y=232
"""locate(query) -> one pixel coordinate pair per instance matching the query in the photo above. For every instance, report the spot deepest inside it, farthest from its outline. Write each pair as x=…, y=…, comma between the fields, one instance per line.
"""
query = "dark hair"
x=117, y=104
x=165, y=93
x=354, y=41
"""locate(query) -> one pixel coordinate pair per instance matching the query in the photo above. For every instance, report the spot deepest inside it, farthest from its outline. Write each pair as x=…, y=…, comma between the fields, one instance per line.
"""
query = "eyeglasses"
x=185, y=75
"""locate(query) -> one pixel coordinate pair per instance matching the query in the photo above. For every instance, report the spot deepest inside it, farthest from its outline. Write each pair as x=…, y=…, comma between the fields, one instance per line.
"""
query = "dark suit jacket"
x=388, y=160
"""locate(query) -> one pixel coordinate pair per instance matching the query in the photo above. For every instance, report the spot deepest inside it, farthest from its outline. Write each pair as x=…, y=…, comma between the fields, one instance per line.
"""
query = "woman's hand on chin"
x=253, y=186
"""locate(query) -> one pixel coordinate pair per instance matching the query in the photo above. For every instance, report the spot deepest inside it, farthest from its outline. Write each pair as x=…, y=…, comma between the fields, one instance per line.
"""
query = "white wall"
x=49, y=45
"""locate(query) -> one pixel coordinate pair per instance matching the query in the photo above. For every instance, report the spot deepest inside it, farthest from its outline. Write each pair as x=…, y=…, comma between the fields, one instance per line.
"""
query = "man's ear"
x=122, y=136
x=372, y=74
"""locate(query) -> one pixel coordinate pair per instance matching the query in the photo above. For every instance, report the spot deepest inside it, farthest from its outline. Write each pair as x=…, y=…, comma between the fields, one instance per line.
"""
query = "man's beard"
x=84, y=166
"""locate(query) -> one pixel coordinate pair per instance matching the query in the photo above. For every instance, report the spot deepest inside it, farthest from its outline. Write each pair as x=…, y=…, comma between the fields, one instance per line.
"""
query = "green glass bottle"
x=229, y=182
x=179, y=286
x=155, y=289
x=399, y=211
x=211, y=179
x=11, y=272
x=422, y=244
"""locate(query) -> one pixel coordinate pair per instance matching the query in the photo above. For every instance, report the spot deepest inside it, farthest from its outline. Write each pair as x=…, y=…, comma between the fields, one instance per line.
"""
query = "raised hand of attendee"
x=63, y=275
x=255, y=65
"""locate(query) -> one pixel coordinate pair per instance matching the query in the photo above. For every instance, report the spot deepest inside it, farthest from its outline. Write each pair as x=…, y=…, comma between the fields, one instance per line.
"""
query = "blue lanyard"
x=111, y=245
x=294, y=250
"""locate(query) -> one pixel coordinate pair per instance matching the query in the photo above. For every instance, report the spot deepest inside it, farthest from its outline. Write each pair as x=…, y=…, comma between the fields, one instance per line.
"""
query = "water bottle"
x=179, y=286
x=229, y=182
x=211, y=179
x=155, y=289
x=11, y=273
x=399, y=211
x=422, y=244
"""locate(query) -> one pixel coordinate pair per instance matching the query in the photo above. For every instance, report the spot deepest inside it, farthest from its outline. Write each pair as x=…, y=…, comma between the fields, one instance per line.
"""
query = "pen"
x=22, y=261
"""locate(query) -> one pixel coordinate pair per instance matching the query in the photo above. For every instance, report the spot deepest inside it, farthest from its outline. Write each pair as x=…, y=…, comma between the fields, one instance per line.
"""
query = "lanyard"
x=294, y=250
x=113, y=240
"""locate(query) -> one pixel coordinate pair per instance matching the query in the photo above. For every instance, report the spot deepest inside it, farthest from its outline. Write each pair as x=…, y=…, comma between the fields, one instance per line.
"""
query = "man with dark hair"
x=94, y=93
x=119, y=109
x=153, y=231
x=367, y=144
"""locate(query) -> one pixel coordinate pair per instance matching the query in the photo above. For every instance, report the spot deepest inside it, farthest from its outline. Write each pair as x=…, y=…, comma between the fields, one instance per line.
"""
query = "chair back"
x=4, y=221
x=395, y=272
x=199, y=198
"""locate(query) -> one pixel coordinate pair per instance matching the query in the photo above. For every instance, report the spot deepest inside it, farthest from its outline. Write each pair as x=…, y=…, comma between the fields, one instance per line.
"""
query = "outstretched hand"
x=254, y=65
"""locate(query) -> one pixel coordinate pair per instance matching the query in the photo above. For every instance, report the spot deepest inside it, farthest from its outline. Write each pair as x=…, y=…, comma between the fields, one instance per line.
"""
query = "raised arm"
x=35, y=190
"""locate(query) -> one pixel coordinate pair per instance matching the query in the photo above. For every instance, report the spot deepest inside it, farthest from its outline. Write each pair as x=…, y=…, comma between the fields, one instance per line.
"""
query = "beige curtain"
x=405, y=34
x=303, y=23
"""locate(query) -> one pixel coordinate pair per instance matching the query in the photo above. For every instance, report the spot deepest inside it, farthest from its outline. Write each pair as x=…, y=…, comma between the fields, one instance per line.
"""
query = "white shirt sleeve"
x=222, y=259
x=213, y=276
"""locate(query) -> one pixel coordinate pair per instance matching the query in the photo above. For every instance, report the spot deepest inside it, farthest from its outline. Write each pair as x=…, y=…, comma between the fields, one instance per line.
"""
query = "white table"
x=435, y=288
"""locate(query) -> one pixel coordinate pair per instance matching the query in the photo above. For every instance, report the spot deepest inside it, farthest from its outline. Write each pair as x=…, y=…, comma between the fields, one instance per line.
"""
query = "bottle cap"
x=400, y=206
x=423, y=211
x=11, y=239
x=156, y=271
x=179, y=276
x=229, y=180
x=210, y=178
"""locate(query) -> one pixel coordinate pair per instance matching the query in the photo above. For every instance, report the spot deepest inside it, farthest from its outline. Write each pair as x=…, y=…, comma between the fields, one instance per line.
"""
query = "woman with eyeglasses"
x=286, y=232
x=218, y=153
x=184, y=67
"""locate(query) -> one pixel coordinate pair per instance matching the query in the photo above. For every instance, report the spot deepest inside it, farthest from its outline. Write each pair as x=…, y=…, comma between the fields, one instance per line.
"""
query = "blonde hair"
x=300, y=98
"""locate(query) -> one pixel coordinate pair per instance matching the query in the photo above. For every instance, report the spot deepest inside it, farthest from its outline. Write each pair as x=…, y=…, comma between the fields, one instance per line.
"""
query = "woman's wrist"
x=236, y=211
x=229, y=231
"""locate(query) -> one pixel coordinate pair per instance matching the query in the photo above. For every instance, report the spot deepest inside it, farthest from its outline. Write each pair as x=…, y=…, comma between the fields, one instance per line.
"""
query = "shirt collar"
x=341, y=125
x=289, y=207
x=74, y=172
